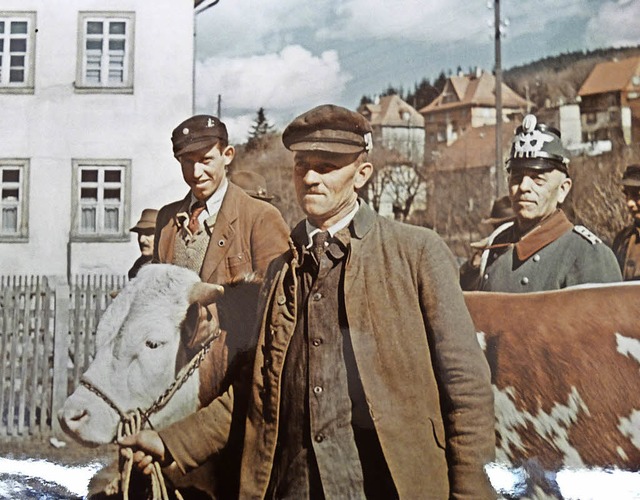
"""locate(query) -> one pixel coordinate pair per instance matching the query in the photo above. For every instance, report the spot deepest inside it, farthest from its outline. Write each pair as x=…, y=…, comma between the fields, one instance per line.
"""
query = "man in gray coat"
x=542, y=249
x=368, y=380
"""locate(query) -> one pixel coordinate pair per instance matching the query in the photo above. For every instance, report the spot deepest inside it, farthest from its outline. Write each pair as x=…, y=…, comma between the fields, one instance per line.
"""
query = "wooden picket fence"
x=47, y=340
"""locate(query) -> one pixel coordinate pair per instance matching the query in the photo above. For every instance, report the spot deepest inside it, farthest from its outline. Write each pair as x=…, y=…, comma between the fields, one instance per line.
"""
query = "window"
x=17, y=42
x=101, y=199
x=13, y=202
x=105, y=62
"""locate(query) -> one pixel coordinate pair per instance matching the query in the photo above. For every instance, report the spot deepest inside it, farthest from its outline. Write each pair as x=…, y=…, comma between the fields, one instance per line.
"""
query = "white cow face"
x=137, y=345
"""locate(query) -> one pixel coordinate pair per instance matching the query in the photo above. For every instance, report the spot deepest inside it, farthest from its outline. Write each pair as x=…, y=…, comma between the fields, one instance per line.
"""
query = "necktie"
x=319, y=244
x=196, y=210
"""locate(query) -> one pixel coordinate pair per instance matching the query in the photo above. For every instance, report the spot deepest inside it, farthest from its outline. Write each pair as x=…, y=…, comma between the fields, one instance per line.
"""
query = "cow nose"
x=73, y=418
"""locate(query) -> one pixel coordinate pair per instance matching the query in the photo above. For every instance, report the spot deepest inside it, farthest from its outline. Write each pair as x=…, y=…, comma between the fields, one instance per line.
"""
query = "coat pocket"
x=239, y=263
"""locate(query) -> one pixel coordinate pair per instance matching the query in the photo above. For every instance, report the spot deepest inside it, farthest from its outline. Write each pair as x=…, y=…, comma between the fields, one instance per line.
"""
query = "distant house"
x=467, y=101
x=398, y=141
x=610, y=101
x=462, y=185
x=396, y=125
x=89, y=91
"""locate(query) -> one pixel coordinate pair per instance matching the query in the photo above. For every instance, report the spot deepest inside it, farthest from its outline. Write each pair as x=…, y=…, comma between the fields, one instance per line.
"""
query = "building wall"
x=56, y=124
x=409, y=141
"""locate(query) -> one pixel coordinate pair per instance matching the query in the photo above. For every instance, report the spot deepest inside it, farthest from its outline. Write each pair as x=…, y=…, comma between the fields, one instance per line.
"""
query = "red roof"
x=611, y=76
x=470, y=91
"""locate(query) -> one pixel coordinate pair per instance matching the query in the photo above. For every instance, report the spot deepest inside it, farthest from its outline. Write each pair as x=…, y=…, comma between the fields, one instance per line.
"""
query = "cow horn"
x=205, y=293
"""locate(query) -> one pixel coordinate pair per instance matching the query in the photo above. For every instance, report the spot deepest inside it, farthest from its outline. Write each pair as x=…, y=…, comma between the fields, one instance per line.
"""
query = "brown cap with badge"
x=252, y=183
x=631, y=176
x=329, y=128
x=196, y=133
x=537, y=146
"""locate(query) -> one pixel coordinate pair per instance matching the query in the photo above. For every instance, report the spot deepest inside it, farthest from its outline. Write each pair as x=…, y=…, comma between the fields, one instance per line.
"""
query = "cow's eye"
x=152, y=344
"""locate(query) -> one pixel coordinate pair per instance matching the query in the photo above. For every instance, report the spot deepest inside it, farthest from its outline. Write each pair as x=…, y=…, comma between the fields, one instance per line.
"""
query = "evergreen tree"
x=260, y=129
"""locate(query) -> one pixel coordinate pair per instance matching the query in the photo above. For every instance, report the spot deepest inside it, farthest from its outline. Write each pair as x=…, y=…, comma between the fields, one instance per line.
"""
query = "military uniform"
x=555, y=254
x=542, y=249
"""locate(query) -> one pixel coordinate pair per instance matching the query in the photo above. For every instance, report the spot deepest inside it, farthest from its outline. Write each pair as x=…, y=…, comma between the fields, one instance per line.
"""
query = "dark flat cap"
x=329, y=128
x=197, y=132
x=631, y=176
x=537, y=146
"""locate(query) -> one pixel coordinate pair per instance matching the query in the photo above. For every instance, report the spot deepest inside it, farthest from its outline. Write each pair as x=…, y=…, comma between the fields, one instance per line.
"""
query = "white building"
x=89, y=93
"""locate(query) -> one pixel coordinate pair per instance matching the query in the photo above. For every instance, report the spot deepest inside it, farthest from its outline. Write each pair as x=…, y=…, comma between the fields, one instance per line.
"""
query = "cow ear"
x=198, y=326
x=205, y=293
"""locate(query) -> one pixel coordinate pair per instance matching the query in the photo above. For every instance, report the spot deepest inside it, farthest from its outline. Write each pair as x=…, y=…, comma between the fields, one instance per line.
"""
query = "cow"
x=565, y=366
x=162, y=348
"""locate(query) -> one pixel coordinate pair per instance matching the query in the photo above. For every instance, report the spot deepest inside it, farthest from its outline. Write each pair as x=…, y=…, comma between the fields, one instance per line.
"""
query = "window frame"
x=26, y=86
x=125, y=187
x=22, y=231
x=126, y=87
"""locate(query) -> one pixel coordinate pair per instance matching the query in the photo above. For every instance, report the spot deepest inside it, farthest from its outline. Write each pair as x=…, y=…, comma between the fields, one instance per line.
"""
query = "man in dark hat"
x=218, y=231
x=626, y=244
x=542, y=249
x=145, y=229
x=368, y=379
x=501, y=213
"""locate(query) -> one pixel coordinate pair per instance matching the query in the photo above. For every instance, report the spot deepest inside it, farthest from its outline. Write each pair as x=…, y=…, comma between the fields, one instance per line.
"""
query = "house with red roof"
x=610, y=101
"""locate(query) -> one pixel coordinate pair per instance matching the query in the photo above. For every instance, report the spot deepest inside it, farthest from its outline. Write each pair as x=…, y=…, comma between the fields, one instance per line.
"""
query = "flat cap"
x=537, y=146
x=329, y=128
x=631, y=176
x=197, y=132
x=147, y=220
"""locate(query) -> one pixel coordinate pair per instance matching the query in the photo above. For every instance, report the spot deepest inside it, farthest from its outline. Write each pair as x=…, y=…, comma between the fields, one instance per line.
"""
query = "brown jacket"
x=424, y=375
x=247, y=236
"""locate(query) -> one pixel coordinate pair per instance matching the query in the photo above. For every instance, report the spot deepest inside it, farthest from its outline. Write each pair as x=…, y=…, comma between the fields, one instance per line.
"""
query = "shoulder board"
x=587, y=235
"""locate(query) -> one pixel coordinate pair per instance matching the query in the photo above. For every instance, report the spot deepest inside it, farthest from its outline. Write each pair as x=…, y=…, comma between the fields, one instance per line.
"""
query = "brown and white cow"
x=565, y=368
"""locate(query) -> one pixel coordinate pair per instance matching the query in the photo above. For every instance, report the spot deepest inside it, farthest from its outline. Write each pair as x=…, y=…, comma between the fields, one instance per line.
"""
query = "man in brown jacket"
x=626, y=244
x=368, y=379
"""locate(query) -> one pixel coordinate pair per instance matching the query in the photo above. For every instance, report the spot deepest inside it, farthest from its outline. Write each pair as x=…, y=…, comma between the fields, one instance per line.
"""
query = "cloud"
x=283, y=83
x=616, y=23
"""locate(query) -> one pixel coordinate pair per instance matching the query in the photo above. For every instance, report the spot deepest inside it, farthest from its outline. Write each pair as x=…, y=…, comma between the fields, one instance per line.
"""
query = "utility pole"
x=500, y=175
x=193, y=67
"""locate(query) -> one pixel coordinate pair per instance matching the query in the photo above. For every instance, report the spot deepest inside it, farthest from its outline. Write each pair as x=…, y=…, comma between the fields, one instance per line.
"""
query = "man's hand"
x=147, y=447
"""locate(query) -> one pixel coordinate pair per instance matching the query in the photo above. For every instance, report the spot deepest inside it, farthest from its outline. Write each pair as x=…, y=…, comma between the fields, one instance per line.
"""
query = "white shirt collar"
x=341, y=224
x=214, y=202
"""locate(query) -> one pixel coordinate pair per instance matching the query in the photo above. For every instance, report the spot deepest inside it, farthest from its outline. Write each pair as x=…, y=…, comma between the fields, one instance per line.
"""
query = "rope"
x=132, y=424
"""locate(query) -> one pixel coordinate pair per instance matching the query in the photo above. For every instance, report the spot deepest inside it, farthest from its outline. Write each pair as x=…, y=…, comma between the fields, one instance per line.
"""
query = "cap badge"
x=529, y=144
x=210, y=123
x=185, y=131
x=368, y=141
x=529, y=123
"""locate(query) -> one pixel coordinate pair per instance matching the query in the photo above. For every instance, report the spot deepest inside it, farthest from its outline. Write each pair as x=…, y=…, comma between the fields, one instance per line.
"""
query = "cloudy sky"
x=289, y=55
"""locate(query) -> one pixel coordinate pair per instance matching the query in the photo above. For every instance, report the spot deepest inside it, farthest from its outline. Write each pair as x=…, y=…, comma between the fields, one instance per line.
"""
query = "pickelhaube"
x=538, y=146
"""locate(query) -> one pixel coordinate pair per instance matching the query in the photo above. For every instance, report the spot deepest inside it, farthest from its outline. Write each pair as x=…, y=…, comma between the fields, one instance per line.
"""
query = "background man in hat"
x=542, y=249
x=501, y=212
x=253, y=184
x=145, y=228
x=368, y=378
x=626, y=244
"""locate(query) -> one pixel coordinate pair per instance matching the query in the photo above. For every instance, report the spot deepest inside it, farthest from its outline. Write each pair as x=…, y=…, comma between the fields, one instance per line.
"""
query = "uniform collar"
x=547, y=231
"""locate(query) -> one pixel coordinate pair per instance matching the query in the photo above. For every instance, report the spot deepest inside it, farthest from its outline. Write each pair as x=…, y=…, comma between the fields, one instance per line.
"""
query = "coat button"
x=317, y=389
x=536, y=258
x=486, y=277
x=317, y=296
x=524, y=281
x=221, y=243
x=316, y=342
x=319, y=438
